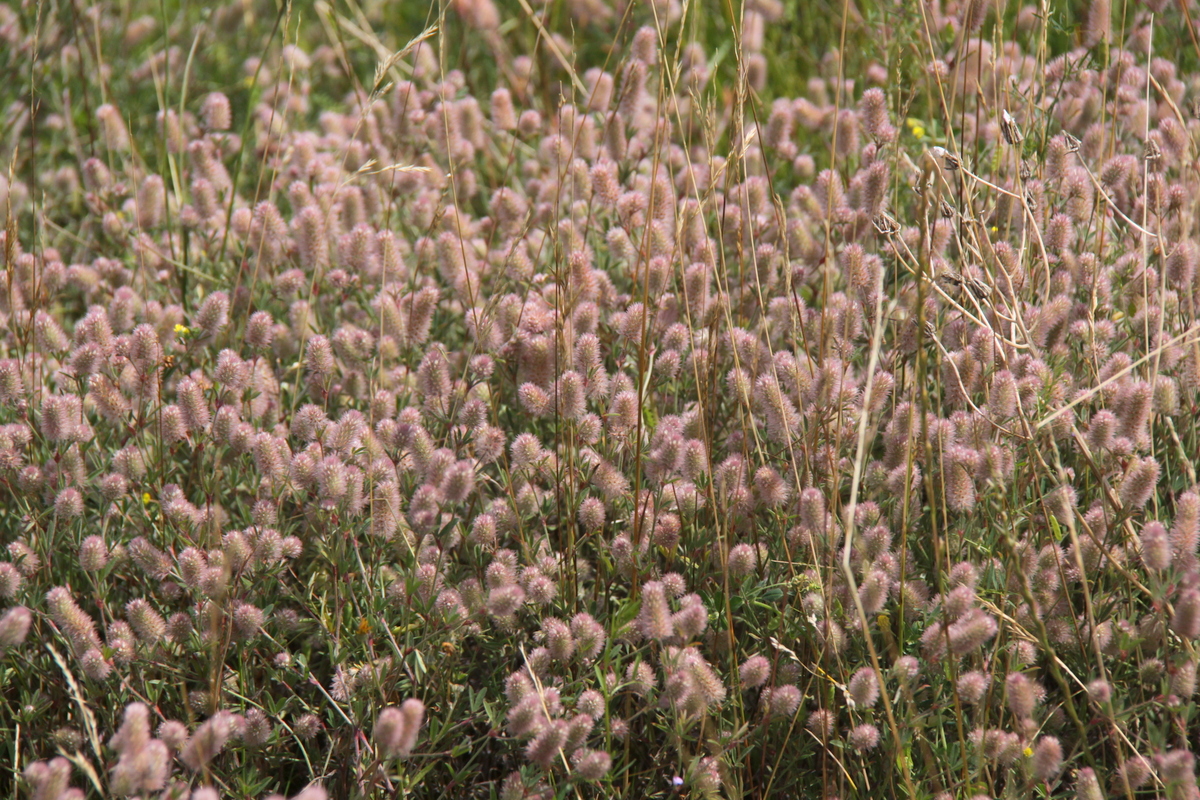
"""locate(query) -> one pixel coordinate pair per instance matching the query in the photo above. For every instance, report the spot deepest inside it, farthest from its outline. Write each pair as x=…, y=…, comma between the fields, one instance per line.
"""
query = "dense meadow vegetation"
x=599, y=399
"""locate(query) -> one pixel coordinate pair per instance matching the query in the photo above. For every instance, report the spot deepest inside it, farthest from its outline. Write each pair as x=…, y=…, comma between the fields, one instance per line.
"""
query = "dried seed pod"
x=885, y=224
x=1009, y=129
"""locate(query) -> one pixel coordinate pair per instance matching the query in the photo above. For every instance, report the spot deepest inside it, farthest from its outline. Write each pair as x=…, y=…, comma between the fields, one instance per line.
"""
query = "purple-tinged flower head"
x=257, y=728
x=208, y=741
x=1061, y=503
x=49, y=780
x=1186, y=619
x=873, y=593
x=1098, y=26
x=906, y=668
x=1050, y=325
x=74, y=622
x=247, y=621
x=876, y=539
x=1102, y=431
x=206, y=163
x=591, y=765
x=863, y=737
x=459, y=481
x=518, y=686
x=781, y=702
x=1183, y=679
x=154, y=563
x=269, y=456
x=589, y=637
x=1166, y=396
x=1133, y=411
x=504, y=601
x=193, y=405
x=1060, y=234
x=504, y=116
x=771, y=489
x=1181, y=265
x=863, y=688
x=820, y=724
x=318, y=357
x=640, y=678
x=692, y=618
x=122, y=314
x=93, y=554
x=61, y=417
x=151, y=202
x=1185, y=531
x=591, y=514
x=829, y=194
x=972, y=686
x=171, y=425
x=14, y=627
x=259, y=330
x=743, y=560
x=268, y=233
x=12, y=386
x=1116, y=173
x=1047, y=758
x=631, y=94
x=1155, y=547
x=129, y=462
x=213, y=314
x=778, y=132
x=107, y=398
x=1133, y=773
x=215, y=112
x=644, y=47
x=68, y=504
x=570, y=398
x=612, y=483
x=312, y=239
x=307, y=726
x=654, y=619
x=483, y=532
x=545, y=747
x=959, y=466
x=873, y=112
x=205, y=203
x=971, y=631
x=480, y=15
x=112, y=126
x=998, y=745
x=529, y=124
x=1177, y=768
x=1099, y=692
x=754, y=671
x=845, y=133
x=49, y=334
x=1059, y=159
x=558, y=639
x=1023, y=695
x=134, y=733
x=95, y=665
x=812, y=510
x=1139, y=482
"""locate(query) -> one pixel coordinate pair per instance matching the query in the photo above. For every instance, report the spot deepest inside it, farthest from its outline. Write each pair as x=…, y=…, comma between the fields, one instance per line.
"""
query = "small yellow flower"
x=182, y=330
x=914, y=125
x=1028, y=751
x=146, y=498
